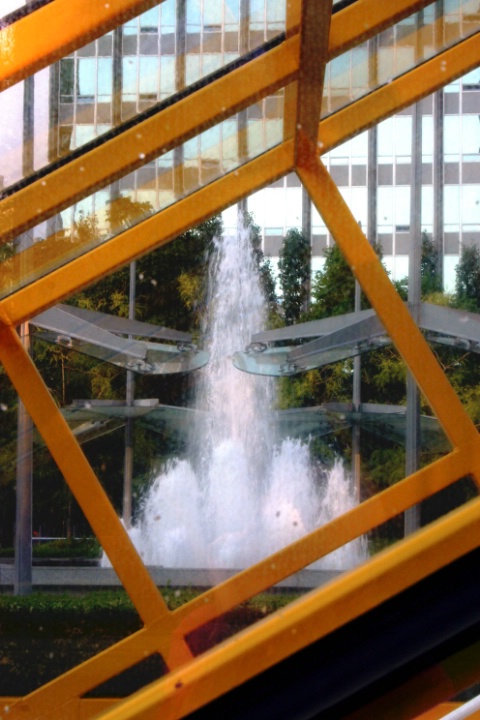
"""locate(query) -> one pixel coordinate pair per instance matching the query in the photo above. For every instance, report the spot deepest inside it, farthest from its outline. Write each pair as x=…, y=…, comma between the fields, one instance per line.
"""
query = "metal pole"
x=244, y=41
x=438, y=154
x=412, y=431
x=357, y=401
x=307, y=232
x=372, y=159
x=22, y=576
x=129, y=400
x=180, y=81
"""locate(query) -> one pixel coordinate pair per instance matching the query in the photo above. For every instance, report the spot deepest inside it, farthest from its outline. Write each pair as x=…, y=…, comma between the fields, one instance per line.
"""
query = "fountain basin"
x=84, y=578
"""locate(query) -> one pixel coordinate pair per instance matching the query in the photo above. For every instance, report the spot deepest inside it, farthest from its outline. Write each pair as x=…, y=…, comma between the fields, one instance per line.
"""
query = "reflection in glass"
x=123, y=73
x=155, y=186
x=400, y=48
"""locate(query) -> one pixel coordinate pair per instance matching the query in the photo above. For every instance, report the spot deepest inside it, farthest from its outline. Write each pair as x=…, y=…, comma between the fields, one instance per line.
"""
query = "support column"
x=307, y=232
x=129, y=400
x=372, y=158
x=412, y=515
x=22, y=577
x=438, y=158
x=244, y=42
x=180, y=81
x=357, y=402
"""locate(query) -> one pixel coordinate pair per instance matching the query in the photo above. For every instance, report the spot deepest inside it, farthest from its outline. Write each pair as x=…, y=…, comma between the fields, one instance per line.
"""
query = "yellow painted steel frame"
x=133, y=148
x=332, y=131
x=192, y=683
x=59, y=28
x=154, y=136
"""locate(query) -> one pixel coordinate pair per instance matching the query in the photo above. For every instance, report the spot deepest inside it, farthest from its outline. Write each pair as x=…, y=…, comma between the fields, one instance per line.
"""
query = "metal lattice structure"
x=31, y=282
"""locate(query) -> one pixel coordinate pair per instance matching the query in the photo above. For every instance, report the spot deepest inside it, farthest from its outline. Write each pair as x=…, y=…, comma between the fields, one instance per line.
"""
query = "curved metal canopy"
x=118, y=340
x=345, y=336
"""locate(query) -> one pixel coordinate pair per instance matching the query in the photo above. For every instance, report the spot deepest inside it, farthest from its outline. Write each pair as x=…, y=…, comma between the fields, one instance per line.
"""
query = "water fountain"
x=242, y=493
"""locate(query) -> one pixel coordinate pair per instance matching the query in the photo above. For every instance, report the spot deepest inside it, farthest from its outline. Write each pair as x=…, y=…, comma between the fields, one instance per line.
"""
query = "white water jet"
x=240, y=495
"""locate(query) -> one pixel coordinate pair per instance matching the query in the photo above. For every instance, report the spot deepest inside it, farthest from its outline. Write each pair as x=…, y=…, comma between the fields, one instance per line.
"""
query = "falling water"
x=240, y=495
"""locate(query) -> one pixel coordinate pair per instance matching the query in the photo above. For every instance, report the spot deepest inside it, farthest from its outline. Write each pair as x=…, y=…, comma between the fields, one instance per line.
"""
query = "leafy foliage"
x=430, y=277
x=58, y=631
x=467, y=284
x=293, y=272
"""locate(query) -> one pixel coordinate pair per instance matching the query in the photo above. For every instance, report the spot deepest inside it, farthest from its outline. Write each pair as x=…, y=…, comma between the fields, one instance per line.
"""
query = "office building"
x=173, y=46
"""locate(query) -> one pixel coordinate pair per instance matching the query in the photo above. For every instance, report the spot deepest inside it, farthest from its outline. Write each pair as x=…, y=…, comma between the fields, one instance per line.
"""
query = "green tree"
x=123, y=212
x=293, y=273
x=431, y=280
x=264, y=266
x=333, y=287
x=467, y=282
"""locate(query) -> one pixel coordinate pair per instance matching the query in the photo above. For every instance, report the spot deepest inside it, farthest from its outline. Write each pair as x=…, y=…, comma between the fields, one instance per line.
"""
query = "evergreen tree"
x=467, y=285
x=431, y=281
x=264, y=265
x=294, y=272
x=333, y=287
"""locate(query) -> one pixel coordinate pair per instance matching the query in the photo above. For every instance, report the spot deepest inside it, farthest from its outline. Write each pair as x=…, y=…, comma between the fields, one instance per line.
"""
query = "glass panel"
x=116, y=77
x=152, y=188
x=397, y=50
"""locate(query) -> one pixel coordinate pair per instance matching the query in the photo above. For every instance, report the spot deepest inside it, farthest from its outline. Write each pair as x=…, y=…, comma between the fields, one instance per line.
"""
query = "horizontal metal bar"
x=449, y=321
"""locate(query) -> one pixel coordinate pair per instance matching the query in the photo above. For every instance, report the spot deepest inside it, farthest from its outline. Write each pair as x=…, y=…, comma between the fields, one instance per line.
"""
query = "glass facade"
x=143, y=133
x=139, y=67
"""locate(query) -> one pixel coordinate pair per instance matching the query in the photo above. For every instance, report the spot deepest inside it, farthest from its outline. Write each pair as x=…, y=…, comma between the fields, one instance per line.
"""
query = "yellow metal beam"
x=400, y=93
x=154, y=231
x=334, y=130
x=59, y=28
x=82, y=481
x=63, y=187
x=251, y=581
x=314, y=34
x=365, y=18
x=154, y=136
x=391, y=310
x=47, y=701
x=306, y=620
